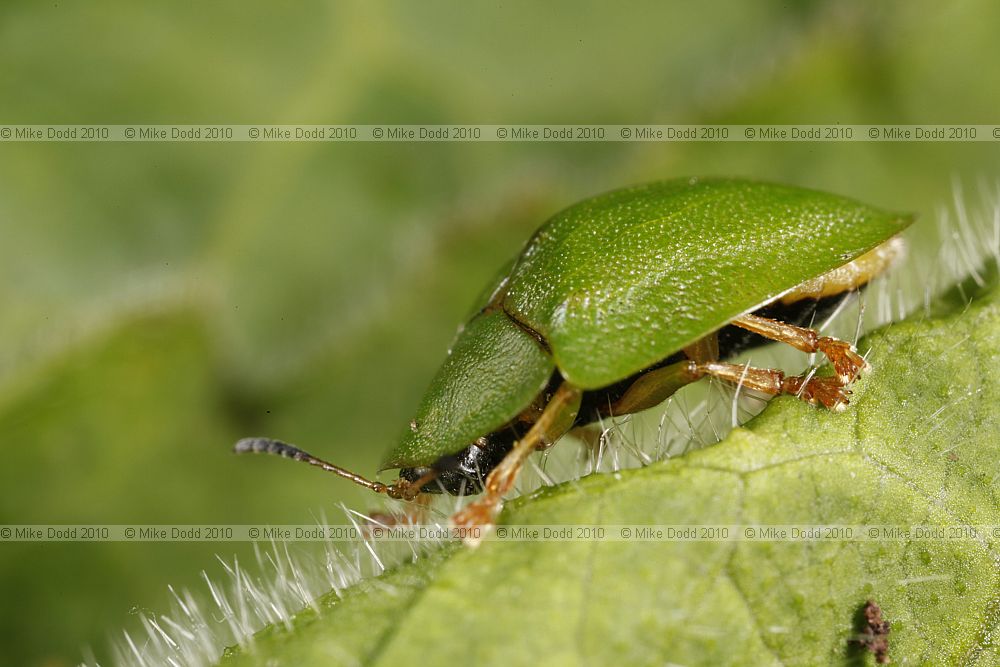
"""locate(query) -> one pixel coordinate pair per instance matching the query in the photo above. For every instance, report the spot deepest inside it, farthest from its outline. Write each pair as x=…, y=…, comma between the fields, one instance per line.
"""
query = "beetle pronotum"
x=617, y=302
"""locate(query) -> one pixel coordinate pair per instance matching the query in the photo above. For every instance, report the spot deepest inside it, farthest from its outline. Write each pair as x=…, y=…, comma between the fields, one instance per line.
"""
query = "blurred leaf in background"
x=161, y=300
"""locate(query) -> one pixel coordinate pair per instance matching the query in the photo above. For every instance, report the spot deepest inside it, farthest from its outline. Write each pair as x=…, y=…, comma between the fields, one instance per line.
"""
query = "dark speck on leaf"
x=874, y=634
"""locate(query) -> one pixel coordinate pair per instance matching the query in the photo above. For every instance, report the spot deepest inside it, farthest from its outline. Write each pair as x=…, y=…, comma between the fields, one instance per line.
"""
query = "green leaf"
x=919, y=446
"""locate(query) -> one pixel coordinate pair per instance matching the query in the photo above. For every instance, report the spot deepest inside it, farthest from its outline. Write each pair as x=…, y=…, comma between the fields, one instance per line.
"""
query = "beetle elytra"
x=617, y=302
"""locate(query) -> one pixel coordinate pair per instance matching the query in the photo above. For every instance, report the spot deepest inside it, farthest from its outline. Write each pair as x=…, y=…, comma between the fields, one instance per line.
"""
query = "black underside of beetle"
x=464, y=472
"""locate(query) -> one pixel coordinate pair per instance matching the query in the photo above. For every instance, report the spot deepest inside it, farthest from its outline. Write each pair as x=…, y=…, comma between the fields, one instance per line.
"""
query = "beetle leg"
x=830, y=392
x=555, y=420
x=652, y=388
x=847, y=363
x=407, y=490
x=704, y=349
x=414, y=513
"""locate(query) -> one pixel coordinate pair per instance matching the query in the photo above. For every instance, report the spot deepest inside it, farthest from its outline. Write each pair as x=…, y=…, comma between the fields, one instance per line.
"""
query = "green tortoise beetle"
x=617, y=302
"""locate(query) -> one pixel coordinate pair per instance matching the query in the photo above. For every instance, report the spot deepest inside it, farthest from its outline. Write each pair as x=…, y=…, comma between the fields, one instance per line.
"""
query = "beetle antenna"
x=278, y=448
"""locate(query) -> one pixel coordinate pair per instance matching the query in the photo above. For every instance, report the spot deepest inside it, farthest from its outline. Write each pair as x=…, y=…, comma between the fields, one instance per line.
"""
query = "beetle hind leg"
x=847, y=363
x=829, y=392
x=656, y=386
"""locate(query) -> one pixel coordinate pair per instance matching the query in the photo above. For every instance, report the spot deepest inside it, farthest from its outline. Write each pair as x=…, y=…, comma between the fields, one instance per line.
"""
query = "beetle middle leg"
x=557, y=418
x=847, y=363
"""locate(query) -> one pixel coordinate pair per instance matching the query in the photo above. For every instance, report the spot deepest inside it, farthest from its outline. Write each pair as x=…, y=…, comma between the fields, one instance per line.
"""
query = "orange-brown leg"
x=704, y=349
x=554, y=421
x=653, y=388
x=829, y=392
x=656, y=386
x=413, y=513
x=847, y=363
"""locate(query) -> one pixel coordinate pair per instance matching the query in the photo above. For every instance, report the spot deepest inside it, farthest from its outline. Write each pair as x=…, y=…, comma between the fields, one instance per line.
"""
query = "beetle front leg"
x=414, y=513
x=555, y=420
x=847, y=363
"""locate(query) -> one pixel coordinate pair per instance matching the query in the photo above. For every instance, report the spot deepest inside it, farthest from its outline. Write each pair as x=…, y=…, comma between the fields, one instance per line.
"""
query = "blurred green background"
x=161, y=300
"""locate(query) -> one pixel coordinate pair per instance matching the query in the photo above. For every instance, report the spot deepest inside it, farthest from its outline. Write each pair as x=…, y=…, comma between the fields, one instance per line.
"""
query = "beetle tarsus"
x=829, y=392
x=847, y=363
x=481, y=514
